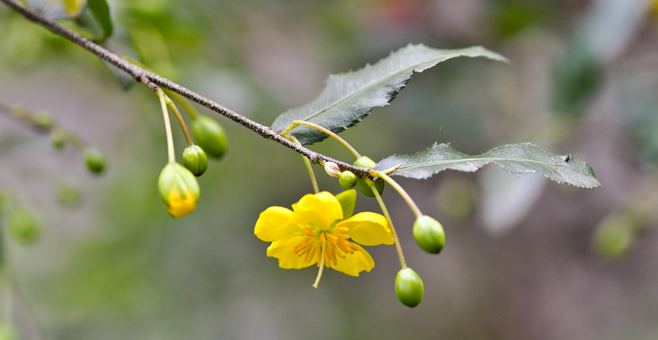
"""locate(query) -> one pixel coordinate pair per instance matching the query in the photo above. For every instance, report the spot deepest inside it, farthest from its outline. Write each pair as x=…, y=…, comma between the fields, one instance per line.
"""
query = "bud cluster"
x=177, y=184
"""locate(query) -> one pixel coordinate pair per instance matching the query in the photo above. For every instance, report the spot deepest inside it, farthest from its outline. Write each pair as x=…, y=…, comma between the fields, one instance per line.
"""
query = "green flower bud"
x=68, y=196
x=614, y=236
x=24, y=227
x=429, y=234
x=347, y=179
x=179, y=189
x=366, y=162
x=195, y=160
x=409, y=287
x=94, y=159
x=210, y=136
x=57, y=137
x=43, y=119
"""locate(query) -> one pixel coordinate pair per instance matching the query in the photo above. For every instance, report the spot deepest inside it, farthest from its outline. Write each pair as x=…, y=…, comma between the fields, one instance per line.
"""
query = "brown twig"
x=153, y=80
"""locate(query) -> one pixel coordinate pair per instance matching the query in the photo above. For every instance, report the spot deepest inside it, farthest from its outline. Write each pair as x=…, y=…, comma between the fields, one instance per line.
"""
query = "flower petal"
x=368, y=229
x=282, y=250
x=321, y=209
x=276, y=223
x=355, y=263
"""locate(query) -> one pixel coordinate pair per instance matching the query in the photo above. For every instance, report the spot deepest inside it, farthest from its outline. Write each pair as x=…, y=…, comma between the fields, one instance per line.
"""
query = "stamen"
x=302, y=245
x=331, y=244
x=304, y=251
x=330, y=256
x=332, y=241
x=345, y=247
x=311, y=254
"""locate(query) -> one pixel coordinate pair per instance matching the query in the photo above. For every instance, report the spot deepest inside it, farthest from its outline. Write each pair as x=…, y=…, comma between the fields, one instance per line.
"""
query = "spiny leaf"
x=101, y=12
x=349, y=97
x=518, y=159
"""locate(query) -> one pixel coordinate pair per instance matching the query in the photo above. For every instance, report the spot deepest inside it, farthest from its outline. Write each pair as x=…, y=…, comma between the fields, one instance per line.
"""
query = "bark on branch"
x=149, y=79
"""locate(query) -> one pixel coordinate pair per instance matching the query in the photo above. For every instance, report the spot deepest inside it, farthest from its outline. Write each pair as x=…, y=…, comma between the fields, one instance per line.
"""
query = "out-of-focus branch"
x=153, y=80
x=43, y=124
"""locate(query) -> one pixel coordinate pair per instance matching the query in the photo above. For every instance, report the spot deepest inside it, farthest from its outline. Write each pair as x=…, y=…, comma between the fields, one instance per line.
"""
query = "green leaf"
x=518, y=159
x=101, y=12
x=349, y=97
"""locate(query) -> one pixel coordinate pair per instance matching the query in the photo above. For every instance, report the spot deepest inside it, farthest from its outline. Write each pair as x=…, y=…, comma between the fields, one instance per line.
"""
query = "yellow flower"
x=316, y=232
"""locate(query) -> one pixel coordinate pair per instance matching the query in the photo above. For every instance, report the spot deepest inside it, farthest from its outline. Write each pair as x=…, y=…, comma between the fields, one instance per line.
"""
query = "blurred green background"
x=525, y=258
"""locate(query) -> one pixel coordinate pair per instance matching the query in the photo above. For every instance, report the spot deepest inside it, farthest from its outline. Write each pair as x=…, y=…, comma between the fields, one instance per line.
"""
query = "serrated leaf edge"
x=492, y=160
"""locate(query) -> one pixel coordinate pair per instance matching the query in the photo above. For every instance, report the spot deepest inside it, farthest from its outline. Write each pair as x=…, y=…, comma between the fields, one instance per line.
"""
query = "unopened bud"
x=94, y=159
x=43, y=119
x=366, y=162
x=195, y=160
x=429, y=234
x=347, y=179
x=24, y=227
x=57, y=137
x=409, y=287
x=332, y=169
x=179, y=189
x=209, y=135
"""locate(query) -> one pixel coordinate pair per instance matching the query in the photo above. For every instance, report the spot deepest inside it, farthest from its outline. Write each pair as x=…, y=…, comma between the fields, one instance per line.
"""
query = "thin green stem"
x=398, y=247
x=399, y=189
x=165, y=114
x=191, y=110
x=12, y=288
x=183, y=126
x=77, y=141
x=327, y=131
x=309, y=167
x=30, y=309
x=27, y=117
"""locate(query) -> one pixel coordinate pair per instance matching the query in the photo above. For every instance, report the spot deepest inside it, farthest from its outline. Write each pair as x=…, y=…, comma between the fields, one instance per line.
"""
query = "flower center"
x=324, y=246
x=327, y=244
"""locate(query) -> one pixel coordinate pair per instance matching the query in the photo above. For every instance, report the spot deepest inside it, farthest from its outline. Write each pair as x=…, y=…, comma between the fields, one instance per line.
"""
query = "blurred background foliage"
x=525, y=258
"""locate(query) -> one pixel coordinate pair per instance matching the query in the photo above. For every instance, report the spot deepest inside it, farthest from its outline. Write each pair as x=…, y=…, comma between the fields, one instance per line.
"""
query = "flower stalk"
x=191, y=110
x=183, y=126
x=165, y=114
x=398, y=247
x=412, y=205
x=327, y=131
x=309, y=168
